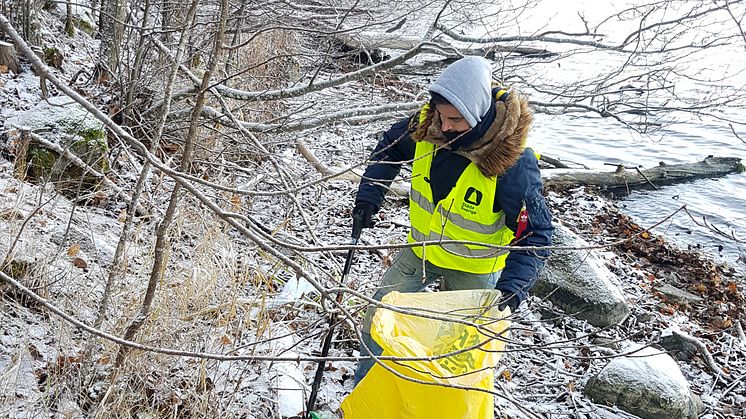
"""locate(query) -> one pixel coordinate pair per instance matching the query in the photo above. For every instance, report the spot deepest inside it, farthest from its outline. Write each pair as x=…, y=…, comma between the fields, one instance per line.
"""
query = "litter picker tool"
x=357, y=227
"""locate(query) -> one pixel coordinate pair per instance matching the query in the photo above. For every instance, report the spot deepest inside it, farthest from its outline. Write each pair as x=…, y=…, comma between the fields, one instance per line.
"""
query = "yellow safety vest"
x=466, y=213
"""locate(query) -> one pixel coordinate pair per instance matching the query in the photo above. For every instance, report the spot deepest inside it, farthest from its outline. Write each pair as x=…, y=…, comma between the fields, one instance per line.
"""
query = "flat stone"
x=578, y=282
x=678, y=295
x=58, y=113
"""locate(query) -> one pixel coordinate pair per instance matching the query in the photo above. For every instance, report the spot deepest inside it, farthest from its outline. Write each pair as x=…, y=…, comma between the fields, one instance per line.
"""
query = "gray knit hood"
x=467, y=85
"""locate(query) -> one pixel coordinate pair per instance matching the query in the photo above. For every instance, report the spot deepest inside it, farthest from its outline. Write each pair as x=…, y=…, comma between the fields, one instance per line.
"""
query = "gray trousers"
x=405, y=275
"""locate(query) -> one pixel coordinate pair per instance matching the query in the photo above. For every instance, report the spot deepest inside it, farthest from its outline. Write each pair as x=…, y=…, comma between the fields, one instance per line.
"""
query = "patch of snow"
x=19, y=378
x=288, y=380
x=709, y=399
x=294, y=289
x=55, y=114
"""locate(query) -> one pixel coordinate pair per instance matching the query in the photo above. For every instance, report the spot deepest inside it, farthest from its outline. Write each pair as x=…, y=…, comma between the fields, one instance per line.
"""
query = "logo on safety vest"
x=473, y=196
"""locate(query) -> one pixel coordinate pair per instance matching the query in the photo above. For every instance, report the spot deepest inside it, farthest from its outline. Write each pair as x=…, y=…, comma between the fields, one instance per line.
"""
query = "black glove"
x=362, y=215
x=508, y=300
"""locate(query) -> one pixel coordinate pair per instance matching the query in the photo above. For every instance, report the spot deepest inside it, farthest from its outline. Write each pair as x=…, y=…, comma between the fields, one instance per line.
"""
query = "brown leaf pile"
x=692, y=270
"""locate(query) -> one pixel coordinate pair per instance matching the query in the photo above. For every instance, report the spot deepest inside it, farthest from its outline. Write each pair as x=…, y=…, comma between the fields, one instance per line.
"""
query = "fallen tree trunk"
x=368, y=46
x=624, y=179
x=397, y=187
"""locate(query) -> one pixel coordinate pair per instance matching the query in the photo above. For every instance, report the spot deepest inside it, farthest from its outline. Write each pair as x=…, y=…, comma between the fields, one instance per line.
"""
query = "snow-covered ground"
x=222, y=294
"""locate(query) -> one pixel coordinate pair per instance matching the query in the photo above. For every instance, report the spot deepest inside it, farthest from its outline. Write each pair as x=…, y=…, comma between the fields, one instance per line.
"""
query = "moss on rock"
x=69, y=178
x=53, y=57
x=85, y=26
x=17, y=269
x=40, y=162
x=93, y=151
x=72, y=127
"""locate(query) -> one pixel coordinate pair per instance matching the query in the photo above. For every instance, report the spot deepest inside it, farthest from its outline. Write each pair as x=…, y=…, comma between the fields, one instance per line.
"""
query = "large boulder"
x=648, y=384
x=578, y=282
x=64, y=122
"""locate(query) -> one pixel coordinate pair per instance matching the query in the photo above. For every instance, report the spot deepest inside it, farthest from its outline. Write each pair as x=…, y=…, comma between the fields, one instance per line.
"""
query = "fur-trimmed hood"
x=502, y=143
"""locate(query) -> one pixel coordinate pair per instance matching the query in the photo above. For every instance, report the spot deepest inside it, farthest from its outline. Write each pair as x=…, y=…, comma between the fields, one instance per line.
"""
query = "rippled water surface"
x=720, y=202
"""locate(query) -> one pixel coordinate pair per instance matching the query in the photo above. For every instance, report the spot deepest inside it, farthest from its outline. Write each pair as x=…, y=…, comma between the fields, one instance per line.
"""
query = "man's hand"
x=362, y=217
x=363, y=214
x=508, y=300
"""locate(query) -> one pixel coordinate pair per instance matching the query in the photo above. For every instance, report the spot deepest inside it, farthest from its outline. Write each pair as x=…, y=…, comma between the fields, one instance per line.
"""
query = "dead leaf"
x=666, y=309
x=3, y=68
x=733, y=288
x=506, y=375
x=80, y=263
x=386, y=261
x=236, y=202
x=66, y=361
x=225, y=340
x=73, y=250
x=10, y=214
x=170, y=147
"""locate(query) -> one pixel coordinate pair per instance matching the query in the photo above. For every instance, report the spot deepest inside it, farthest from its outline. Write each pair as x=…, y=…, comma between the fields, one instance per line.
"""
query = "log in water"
x=625, y=179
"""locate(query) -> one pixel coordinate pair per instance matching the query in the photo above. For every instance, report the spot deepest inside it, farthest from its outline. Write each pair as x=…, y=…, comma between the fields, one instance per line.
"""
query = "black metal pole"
x=357, y=228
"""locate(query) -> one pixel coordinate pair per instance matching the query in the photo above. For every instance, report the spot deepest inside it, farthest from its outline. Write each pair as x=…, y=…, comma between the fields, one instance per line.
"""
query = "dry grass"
x=196, y=308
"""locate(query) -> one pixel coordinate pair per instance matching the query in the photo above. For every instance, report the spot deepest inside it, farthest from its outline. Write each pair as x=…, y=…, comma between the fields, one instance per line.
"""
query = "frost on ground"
x=223, y=294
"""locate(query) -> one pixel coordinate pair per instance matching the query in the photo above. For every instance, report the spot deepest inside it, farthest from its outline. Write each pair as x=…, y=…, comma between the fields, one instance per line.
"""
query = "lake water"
x=594, y=141
x=683, y=137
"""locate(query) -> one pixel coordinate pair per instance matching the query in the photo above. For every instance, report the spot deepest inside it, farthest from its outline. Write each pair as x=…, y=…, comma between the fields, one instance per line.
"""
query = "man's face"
x=451, y=119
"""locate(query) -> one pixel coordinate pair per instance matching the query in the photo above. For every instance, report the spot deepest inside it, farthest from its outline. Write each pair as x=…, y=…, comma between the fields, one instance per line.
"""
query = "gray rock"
x=64, y=122
x=648, y=384
x=678, y=295
x=580, y=284
x=678, y=344
x=606, y=342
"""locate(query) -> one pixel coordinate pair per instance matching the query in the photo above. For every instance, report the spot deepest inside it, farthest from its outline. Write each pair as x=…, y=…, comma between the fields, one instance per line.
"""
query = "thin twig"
x=646, y=178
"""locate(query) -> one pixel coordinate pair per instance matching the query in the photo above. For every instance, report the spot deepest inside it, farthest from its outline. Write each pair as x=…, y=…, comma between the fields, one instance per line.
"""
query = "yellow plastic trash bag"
x=383, y=395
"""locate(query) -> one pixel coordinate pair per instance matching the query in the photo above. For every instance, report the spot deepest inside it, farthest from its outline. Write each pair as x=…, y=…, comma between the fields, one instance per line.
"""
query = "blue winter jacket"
x=520, y=183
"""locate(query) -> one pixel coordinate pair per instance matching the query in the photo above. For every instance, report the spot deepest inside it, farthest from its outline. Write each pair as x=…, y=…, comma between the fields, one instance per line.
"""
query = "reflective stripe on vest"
x=464, y=214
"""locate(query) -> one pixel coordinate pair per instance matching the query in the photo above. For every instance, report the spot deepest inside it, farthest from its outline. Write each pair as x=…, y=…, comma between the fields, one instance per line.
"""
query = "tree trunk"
x=111, y=28
x=23, y=15
x=9, y=58
x=69, y=25
x=624, y=179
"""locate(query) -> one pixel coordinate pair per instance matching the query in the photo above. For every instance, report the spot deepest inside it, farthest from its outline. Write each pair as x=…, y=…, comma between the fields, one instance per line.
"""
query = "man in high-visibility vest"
x=473, y=179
